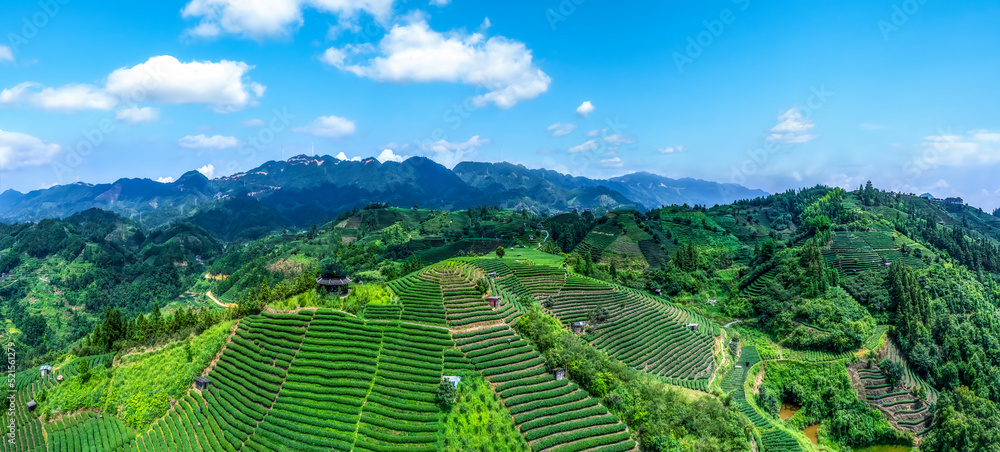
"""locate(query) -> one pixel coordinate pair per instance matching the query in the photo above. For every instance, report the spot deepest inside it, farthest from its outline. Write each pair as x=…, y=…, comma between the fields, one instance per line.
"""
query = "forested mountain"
x=305, y=190
x=814, y=319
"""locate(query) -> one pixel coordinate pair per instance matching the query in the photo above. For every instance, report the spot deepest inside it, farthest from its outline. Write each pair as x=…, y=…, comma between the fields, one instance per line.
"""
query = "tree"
x=500, y=251
x=445, y=396
x=893, y=371
x=598, y=315
x=84, y=368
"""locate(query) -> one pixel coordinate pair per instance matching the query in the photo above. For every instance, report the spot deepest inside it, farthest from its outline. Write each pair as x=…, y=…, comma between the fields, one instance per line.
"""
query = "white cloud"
x=254, y=123
x=670, y=149
x=792, y=128
x=166, y=80
x=450, y=154
x=976, y=147
x=615, y=141
x=985, y=135
x=65, y=99
x=168, y=179
x=611, y=142
x=559, y=129
x=207, y=170
x=388, y=156
x=6, y=54
x=440, y=2
x=612, y=163
x=356, y=158
x=328, y=126
x=216, y=142
x=135, y=115
x=260, y=19
x=585, y=109
x=587, y=146
x=415, y=53
x=161, y=79
x=18, y=150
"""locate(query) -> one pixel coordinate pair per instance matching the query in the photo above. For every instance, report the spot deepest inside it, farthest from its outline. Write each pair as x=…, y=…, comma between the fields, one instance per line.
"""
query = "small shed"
x=454, y=379
x=201, y=383
x=692, y=326
x=493, y=274
x=45, y=370
x=32, y=405
x=578, y=327
x=658, y=291
x=494, y=301
x=335, y=284
x=560, y=373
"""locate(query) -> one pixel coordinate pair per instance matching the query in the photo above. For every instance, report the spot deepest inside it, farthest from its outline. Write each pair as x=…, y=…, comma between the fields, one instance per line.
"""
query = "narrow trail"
x=732, y=323
x=216, y=300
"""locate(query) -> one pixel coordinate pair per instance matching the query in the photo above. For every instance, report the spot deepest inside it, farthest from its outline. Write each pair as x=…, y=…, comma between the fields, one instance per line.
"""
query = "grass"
x=478, y=422
x=140, y=388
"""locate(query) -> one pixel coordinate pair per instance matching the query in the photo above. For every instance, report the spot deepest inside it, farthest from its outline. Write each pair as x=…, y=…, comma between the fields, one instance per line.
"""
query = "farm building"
x=45, y=370
x=560, y=373
x=335, y=284
x=32, y=405
x=658, y=291
x=578, y=327
x=493, y=274
x=201, y=383
x=692, y=326
x=494, y=301
x=454, y=379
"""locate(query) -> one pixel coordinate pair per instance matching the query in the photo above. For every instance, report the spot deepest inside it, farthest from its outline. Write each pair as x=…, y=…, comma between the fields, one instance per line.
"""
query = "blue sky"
x=771, y=95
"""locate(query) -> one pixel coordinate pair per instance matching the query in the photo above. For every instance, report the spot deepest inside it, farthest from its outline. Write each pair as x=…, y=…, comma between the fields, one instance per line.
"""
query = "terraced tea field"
x=850, y=253
x=773, y=438
x=899, y=404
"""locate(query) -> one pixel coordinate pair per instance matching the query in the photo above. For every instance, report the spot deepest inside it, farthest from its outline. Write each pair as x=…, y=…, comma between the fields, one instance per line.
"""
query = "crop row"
x=553, y=412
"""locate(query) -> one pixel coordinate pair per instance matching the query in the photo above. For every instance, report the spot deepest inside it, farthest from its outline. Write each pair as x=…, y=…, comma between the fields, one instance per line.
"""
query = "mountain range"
x=307, y=189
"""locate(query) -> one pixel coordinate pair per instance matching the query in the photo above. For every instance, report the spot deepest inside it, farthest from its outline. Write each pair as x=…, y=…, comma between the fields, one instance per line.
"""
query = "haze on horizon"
x=772, y=95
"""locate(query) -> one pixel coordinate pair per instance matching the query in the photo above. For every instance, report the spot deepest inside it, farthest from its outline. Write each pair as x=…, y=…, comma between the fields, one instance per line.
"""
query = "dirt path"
x=216, y=300
x=732, y=323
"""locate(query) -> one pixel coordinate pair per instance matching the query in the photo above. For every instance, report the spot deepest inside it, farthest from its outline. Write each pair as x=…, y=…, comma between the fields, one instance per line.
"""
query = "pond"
x=812, y=432
x=788, y=410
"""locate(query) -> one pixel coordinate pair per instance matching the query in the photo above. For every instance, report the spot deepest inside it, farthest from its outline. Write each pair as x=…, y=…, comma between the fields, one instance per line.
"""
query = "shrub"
x=445, y=396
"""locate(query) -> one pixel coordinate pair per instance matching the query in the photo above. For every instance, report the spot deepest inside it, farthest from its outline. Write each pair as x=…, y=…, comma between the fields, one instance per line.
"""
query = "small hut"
x=201, y=383
x=493, y=274
x=560, y=373
x=454, y=379
x=692, y=326
x=494, y=301
x=658, y=291
x=45, y=370
x=578, y=327
x=335, y=284
x=32, y=405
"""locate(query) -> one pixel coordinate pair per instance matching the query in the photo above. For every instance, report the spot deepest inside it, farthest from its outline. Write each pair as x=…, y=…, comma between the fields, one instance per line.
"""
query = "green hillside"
x=817, y=319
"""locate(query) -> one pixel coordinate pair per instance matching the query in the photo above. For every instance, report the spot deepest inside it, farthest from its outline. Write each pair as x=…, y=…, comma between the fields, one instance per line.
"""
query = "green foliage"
x=965, y=422
x=893, y=371
x=479, y=422
x=653, y=409
x=445, y=395
x=84, y=371
x=826, y=396
x=143, y=384
x=500, y=252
